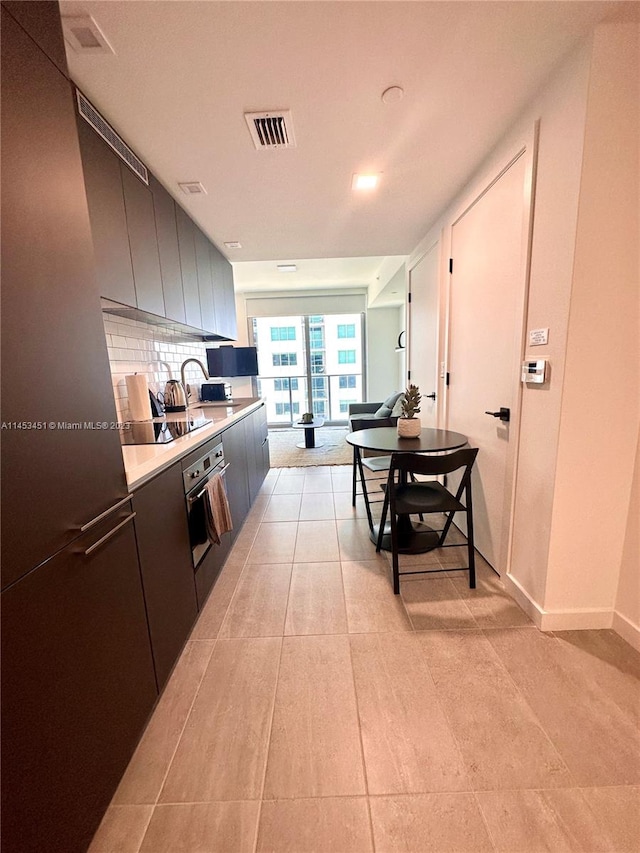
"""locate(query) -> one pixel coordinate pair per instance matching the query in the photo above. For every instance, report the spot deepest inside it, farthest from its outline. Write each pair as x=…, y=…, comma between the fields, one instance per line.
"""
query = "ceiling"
x=183, y=74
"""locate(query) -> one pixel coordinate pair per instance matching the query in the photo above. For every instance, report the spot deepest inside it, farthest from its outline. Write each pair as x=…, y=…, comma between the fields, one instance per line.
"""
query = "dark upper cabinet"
x=77, y=688
x=57, y=472
x=229, y=300
x=143, y=243
x=168, y=251
x=108, y=217
x=223, y=294
x=167, y=570
x=41, y=19
x=186, y=243
x=205, y=282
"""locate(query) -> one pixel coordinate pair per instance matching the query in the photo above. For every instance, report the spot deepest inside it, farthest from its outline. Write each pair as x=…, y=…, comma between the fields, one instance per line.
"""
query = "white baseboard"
x=560, y=620
x=628, y=630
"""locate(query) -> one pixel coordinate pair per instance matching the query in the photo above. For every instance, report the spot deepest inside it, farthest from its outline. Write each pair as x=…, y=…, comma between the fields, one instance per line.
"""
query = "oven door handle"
x=223, y=470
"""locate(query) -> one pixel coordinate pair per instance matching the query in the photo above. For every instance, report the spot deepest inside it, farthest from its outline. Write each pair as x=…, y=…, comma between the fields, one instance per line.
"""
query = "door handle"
x=503, y=414
x=431, y=396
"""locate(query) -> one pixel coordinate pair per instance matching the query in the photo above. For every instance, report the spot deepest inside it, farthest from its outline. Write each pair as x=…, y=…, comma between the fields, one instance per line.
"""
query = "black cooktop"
x=162, y=430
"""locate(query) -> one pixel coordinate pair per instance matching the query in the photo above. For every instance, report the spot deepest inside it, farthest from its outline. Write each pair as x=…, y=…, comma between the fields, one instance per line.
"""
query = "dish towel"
x=216, y=506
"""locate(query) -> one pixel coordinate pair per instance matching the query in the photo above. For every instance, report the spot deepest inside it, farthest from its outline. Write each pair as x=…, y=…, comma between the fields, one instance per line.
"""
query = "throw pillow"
x=383, y=412
x=396, y=412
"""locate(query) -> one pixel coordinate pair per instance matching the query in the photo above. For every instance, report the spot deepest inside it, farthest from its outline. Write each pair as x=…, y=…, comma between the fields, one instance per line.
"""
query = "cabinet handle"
x=108, y=535
x=105, y=514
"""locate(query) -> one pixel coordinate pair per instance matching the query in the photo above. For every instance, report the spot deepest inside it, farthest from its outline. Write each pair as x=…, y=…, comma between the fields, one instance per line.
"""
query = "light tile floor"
x=313, y=711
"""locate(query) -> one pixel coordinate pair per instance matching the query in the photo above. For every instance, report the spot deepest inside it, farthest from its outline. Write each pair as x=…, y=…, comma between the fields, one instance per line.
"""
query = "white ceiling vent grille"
x=271, y=130
x=192, y=187
x=103, y=129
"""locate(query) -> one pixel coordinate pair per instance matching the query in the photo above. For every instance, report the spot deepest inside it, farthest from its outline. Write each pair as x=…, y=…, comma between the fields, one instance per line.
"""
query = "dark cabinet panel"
x=205, y=284
x=229, y=300
x=57, y=471
x=108, y=217
x=167, y=570
x=234, y=440
x=186, y=243
x=41, y=19
x=143, y=243
x=210, y=567
x=257, y=458
x=167, y=235
x=77, y=689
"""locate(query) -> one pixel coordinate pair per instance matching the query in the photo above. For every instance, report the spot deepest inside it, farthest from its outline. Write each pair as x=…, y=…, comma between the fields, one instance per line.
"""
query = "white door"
x=423, y=332
x=488, y=284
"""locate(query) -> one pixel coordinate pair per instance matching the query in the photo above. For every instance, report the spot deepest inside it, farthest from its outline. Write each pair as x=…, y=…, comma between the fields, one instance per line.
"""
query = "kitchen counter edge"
x=142, y=462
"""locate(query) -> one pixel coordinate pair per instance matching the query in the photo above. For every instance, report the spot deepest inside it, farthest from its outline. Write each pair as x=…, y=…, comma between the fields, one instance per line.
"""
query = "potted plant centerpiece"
x=409, y=425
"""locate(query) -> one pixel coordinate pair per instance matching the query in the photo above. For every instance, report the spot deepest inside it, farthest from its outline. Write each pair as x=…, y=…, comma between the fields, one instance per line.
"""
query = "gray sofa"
x=390, y=408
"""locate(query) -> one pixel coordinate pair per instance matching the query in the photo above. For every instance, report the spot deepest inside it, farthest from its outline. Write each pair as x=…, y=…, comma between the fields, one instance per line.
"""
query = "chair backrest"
x=371, y=423
x=417, y=463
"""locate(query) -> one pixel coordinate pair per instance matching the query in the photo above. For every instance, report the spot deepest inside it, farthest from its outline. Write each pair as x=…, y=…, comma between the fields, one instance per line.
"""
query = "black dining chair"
x=404, y=498
x=376, y=464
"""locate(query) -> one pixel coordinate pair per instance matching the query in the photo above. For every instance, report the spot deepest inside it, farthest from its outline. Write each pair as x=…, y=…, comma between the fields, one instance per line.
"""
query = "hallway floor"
x=313, y=711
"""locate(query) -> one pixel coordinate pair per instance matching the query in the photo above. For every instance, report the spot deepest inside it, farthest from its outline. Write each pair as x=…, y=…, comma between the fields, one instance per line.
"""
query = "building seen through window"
x=305, y=367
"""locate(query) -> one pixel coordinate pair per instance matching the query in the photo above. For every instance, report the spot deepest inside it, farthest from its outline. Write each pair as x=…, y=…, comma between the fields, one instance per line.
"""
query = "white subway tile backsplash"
x=158, y=352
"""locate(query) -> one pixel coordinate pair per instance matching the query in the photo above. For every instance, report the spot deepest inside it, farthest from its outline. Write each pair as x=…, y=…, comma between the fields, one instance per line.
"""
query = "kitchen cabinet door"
x=229, y=301
x=165, y=562
x=186, y=244
x=60, y=468
x=41, y=19
x=259, y=465
x=77, y=688
x=143, y=243
x=205, y=284
x=108, y=218
x=167, y=235
x=234, y=440
x=217, y=274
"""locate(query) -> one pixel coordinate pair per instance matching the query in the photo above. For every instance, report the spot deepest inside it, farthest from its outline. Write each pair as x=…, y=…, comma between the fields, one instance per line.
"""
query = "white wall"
x=575, y=282
x=600, y=405
x=626, y=617
x=385, y=367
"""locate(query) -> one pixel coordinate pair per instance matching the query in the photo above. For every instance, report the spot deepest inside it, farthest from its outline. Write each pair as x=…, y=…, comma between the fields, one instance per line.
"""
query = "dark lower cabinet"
x=210, y=567
x=234, y=440
x=165, y=562
x=257, y=449
x=77, y=688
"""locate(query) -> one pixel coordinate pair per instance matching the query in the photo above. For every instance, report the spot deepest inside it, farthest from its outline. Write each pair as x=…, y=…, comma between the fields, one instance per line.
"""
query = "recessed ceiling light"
x=192, y=188
x=392, y=94
x=365, y=182
x=287, y=268
x=233, y=244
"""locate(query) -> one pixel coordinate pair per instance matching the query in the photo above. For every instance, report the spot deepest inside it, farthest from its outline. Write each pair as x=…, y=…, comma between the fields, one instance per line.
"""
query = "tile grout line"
x=527, y=703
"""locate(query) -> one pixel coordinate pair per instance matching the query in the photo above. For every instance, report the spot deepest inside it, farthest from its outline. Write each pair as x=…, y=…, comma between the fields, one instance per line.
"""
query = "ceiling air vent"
x=103, y=129
x=84, y=35
x=271, y=130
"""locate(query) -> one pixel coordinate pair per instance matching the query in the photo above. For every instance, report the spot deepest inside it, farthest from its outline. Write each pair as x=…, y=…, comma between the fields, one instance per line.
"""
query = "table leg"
x=412, y=538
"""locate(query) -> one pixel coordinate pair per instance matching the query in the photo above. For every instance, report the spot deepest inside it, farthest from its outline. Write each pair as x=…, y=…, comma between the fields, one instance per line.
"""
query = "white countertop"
x=143, y=461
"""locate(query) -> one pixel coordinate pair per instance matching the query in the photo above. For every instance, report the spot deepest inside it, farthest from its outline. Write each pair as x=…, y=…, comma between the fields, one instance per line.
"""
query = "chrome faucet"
x=184, y=381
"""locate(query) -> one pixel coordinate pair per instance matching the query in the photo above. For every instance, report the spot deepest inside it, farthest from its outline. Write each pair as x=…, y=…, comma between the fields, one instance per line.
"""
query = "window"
x=319, y=387
x=344, y=406
x=283, y=333
x=316, y=338
x=285, y=384
x=319, y=408
x=347, y=330
x=284, y=359
x=317, y=362
x=285, y=409
x=347, y=382
x=346, y=356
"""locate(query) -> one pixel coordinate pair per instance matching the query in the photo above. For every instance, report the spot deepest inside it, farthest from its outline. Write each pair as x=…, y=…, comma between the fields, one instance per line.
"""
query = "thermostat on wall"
x=534, y=372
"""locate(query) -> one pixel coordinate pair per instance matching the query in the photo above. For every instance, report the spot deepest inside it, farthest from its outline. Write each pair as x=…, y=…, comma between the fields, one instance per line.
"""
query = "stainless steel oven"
x=195, y=478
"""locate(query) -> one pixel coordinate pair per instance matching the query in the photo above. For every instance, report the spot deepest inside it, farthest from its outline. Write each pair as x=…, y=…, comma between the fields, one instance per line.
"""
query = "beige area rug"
x=334, y=451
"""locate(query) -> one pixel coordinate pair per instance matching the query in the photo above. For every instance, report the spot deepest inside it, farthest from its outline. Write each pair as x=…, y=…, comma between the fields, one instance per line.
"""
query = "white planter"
x=409, y=427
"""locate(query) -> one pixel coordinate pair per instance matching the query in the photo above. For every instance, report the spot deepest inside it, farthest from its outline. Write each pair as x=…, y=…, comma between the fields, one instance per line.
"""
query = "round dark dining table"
x=412, y=538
